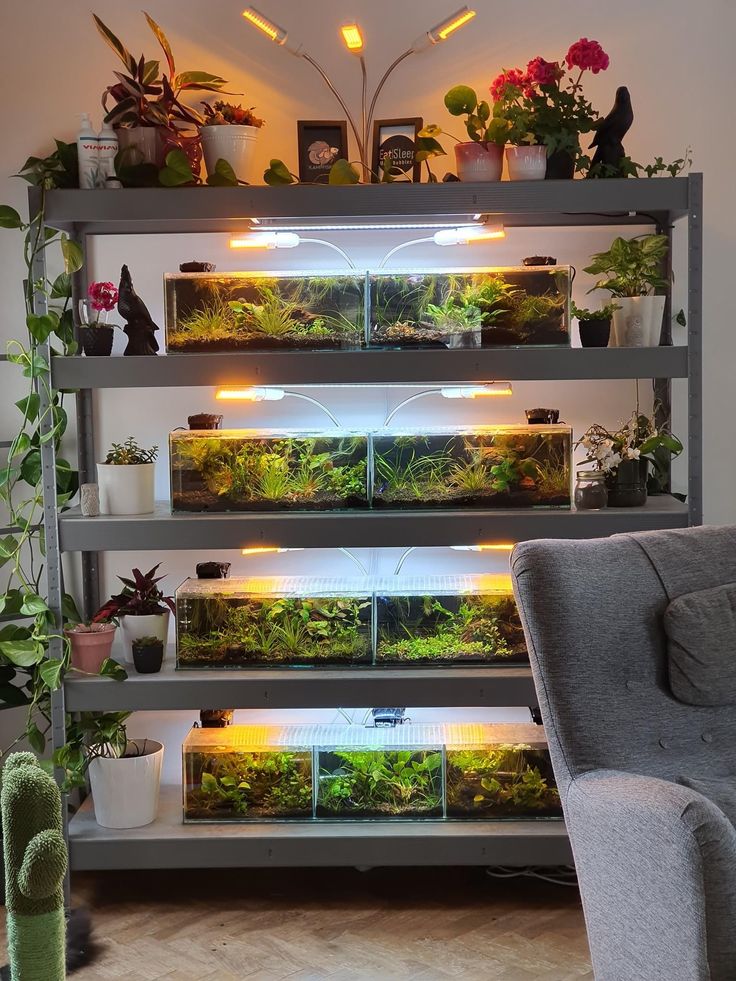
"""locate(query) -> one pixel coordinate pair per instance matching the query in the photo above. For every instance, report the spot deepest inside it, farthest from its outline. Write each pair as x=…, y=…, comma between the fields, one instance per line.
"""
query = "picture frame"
x=320, y=143
x=397, y=137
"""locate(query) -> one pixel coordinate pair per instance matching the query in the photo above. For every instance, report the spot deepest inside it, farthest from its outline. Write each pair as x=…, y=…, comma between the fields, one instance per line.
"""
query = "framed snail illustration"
x=321, y=143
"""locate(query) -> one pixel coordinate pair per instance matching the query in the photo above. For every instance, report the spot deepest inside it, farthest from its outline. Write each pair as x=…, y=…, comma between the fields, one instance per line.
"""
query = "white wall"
x=675, y=58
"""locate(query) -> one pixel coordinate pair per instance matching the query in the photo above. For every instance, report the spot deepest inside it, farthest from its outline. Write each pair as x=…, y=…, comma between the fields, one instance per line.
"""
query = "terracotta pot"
x=90, y=649
x=479, y=161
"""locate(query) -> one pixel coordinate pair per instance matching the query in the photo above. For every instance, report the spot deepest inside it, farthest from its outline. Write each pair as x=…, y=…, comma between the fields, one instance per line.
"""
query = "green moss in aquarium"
x=476, y=628
x=501, y=781
x=515, y=468
x=271, y=631
x=380, y=783
x=236, y=473
x=236, y=312
x=237, y=786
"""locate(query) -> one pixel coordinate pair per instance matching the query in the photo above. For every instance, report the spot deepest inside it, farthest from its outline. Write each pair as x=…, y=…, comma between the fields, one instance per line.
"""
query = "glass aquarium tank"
x=519, y=305
x=482, y=467
x=272, y=622
x=247, y=311
x=267, y=470
x=448, y=620
x=245, y=773
x=500, y=771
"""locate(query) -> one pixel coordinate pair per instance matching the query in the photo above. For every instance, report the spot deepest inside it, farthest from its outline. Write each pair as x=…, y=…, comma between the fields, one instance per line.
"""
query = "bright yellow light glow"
x=252, y=242
x=497, y=547
x=458, y=22
x=238, y=395
x=260, y=550
x=487, y=393
x=263, y=24
x=352, y=37
x=486, y=236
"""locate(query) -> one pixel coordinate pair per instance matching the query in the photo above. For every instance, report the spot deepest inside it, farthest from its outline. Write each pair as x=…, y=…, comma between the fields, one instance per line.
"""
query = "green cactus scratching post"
x=35, y=866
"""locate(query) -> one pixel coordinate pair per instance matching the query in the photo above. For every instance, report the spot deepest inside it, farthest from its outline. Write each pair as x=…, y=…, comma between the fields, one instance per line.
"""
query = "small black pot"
x=595, y=333
x=96, y=341
x=627, y=488
x=560, y=166
x=148, y=658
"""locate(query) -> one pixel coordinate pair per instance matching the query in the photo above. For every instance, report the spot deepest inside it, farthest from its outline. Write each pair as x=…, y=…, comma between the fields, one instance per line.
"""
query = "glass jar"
x=591, y=493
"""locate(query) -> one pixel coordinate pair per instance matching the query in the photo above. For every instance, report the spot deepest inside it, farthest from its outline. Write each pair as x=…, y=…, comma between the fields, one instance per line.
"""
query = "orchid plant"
x=638, y=439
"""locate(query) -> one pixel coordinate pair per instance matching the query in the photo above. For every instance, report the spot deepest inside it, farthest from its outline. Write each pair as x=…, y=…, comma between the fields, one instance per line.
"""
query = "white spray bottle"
x=108, y=149
x=88, y=152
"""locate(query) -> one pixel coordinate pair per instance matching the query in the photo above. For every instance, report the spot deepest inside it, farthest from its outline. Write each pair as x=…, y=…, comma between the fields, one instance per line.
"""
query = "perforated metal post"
x=695, y=349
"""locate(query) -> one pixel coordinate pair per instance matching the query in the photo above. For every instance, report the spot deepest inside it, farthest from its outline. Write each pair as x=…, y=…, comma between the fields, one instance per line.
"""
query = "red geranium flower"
x=104, y=296
x=541, y=72
x=513, y=76
x=585, y=54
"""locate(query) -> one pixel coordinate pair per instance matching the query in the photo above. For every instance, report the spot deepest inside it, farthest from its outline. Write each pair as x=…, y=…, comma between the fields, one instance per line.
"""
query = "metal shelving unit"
x=168, y=843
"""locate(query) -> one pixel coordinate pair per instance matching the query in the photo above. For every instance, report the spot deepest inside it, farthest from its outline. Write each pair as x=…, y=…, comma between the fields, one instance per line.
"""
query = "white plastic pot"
x=236, y=144
x=134, y=627
x=479, y=161
x=638, y=322
x=125, y=789
x=526, y=163
x=126, y=489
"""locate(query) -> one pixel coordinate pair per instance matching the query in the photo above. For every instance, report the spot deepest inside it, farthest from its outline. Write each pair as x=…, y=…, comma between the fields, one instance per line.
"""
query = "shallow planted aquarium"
x=272, y=622
x=483, y=467
x=257, y=470
x=244, y=773
x=244, y=311
x=520, y=305
x=446, y=620
x=506, y=773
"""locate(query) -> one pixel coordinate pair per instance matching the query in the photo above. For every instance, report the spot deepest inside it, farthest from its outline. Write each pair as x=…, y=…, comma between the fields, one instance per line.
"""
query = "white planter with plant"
x=230, y=133
x=480, y=158
x=126, y=479
x=141, y=609
x=526, y=163
x=631, y=271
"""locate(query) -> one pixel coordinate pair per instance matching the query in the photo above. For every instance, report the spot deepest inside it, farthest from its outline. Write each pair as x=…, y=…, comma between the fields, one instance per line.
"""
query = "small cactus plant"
x=35, y=866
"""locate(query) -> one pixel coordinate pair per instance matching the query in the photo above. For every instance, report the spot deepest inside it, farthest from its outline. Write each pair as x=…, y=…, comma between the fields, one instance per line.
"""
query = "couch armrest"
x=655, y=863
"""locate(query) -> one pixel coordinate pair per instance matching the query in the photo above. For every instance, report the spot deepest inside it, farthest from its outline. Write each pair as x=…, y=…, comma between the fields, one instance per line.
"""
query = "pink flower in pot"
x=91, y=645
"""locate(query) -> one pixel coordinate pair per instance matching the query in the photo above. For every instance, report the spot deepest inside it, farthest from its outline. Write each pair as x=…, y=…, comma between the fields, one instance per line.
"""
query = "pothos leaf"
x=343, y=172
x=72, y=253
x=9, y=217
x=278, y=173
x=178, y=170
x=51, y=672
x=223, y=176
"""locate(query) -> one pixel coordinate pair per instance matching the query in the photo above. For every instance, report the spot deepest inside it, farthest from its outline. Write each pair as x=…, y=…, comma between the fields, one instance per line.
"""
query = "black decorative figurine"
x=139, y=327
x=609, y=135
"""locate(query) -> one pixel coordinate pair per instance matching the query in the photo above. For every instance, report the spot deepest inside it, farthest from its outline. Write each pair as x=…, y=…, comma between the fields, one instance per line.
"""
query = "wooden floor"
x=340, y=925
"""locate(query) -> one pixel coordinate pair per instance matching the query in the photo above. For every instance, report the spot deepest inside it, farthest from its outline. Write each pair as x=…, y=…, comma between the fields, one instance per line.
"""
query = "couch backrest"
x=593, y=616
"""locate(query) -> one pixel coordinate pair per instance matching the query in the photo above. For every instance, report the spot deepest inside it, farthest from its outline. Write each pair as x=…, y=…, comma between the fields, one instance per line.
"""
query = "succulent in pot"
x=126, y=479
x=95, y=334
x=481, y=157
x=141, y=607
x=147, y=108
x=229, y=133
x=631, y=271
x=594, y=325
x=148, y=654
x=91, y=644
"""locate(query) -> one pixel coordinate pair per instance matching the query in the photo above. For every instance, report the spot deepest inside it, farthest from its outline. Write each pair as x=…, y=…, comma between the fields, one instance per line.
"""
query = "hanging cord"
x=558, y=875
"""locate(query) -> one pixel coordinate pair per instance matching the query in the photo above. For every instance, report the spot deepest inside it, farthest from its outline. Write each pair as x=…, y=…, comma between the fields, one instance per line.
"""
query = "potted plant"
x=148, y=654
x=480, y=158
x=94, y=333
x=624, y=457
x=229, y=133
x=91, y=644
x=631, y=270
x=594, y=325
x=141, y=608
x=124, y=773
x=147, y=110
x=545, y=107
x=126, y=479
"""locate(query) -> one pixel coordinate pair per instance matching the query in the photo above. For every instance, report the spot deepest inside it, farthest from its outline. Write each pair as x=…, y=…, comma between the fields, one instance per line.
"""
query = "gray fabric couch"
x=656, y=859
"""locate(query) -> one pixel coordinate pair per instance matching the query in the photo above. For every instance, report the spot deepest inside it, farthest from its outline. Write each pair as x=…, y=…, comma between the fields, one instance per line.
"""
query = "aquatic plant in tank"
x=501, y=781
x=252, y=311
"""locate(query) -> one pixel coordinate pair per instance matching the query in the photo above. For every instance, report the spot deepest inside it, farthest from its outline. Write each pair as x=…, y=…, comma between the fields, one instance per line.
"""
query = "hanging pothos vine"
x=27, y=675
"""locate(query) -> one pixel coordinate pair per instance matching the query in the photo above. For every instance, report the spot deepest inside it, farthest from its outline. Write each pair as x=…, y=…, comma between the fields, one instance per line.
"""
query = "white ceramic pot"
x=125, y=789
x=134, y=627
x=479, y=161
x=236, y=144
x=126, y=489
x=526, y=163
x=638, y=322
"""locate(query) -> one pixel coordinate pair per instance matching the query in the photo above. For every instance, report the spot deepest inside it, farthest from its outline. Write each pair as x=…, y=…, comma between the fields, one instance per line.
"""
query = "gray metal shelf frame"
x=167, y=844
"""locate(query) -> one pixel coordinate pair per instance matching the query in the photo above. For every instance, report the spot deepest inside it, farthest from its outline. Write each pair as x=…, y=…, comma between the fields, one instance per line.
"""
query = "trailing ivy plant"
x=27, y=674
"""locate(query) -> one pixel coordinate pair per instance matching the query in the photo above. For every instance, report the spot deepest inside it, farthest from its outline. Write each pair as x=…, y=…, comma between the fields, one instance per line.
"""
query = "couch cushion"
x=701, y=646
x=720, y=790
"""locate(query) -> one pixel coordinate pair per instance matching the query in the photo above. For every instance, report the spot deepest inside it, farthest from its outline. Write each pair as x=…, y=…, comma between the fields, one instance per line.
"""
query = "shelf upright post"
x=663, y=386
x=54, y=583
x=85, y=439
x=695, y=348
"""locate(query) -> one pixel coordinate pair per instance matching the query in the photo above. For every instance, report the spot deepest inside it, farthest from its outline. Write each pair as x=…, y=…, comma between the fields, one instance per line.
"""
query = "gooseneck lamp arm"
x=406, y=401
x=343, y=104
x=330, y=245
x=403, y=245
x=308, y=398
